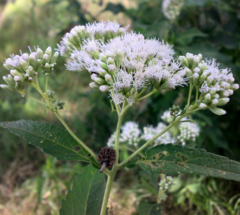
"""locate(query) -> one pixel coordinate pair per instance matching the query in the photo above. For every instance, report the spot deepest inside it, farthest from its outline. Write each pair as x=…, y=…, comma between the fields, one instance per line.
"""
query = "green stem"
x=37, y=87
x=149, y=94
x=154, y=138
x=189, y=95
x=197, y=91
x=37, y=100
x=46, y=84
x=107, y=192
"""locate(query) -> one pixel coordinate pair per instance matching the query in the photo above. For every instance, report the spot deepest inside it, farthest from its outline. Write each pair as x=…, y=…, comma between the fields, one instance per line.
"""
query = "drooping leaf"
x=173, y=160
x=86, y=195
x=145, y=208
x=51, y=139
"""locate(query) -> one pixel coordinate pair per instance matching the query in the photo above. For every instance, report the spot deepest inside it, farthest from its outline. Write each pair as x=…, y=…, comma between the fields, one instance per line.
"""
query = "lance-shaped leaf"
x=86, y=195
x=145, y=208
x=51, y=139
x=173, y=160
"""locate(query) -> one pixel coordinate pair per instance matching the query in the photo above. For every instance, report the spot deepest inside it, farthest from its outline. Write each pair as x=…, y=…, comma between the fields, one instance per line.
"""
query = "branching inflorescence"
x=131, y=68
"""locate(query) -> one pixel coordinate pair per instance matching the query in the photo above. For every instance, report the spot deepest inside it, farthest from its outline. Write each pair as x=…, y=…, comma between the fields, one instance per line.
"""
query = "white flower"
x=149, y=132
x=130, y=133
x=188, y=131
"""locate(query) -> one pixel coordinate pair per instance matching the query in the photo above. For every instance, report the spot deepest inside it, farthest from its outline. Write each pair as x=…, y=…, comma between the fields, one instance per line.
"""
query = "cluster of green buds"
x=99, y=31
x=214, y=84
x=164, y=183
x=23, y=68
x=58, y=105
x=174, y=110
x=103, y=76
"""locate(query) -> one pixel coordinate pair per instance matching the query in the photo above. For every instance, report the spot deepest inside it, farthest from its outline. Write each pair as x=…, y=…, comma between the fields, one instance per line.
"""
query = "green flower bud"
x=110, y=61
x=39, y=53
x=108, y=78
x=48, y=51
x=93, y=85
x=217, y=111
x=14, y=72
x=119, y=57
x=223, y=101
x=6, y=87
x=104, y=66
x=103, y=57
x=54, y=58
x=102, y=72
x=8, y=81
x=100, y=81
x=207, y=98
x=183, y=61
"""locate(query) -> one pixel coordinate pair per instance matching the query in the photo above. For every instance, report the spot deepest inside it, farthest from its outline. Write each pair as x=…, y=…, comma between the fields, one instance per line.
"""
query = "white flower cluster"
x=24, y=67
x=214, y=84
x=98, y=30
x=130, y=133
x=171, y=8
x=164, y=183
x=149, y=132
x=126, y=63
x=167, y=117
x=188, y=131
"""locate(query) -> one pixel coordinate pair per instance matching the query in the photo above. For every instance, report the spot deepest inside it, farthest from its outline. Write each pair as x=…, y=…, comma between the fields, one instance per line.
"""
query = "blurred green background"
x=34, y=183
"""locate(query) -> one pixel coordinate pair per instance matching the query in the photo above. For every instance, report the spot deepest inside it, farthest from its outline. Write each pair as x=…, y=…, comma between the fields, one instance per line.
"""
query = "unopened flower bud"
x=230, y=92
x=104, y=65
x=207, y=98
x=48, y=51
x=54, y=58
x=235, y=86
x=100, y=81
x=200, y=56
x=196, y=70
x=103, y=88
x=94, y=76
x=108, y=78
x=216, y=96
x=214, y=102
x=202, y=105
x=39, y=53
x=223, y=101
x=6, y=87
x=119, y=57
x=23, y=64
x=46, y=58
x=7, y=80
x=196, y=61
x=110, y=61
x=188, y=72
x=111, y=68
x=93, y=85
x=18, y=78
x=217, y=111
x=103, y=57
x=14, y=72
x=195, y=77
x=183, y=61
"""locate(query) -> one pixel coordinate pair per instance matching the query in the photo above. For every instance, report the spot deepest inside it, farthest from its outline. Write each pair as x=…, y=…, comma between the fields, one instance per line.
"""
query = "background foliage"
x=209, y=27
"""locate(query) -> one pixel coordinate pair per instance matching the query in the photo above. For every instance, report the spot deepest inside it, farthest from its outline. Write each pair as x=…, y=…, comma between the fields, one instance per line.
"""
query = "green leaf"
x=51, y=139
x=187, y=36
x=86, y=195
x=145, y=208
x=173, y=160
